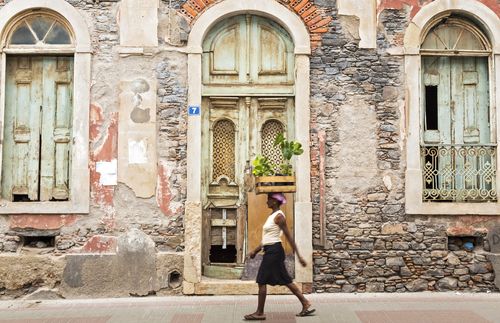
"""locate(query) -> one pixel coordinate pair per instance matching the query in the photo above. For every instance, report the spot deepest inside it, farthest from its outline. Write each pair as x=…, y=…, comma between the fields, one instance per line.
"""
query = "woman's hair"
x=278, y=197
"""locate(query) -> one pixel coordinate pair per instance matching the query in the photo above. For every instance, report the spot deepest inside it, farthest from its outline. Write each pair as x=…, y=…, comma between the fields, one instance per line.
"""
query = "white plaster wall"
x=139, y=23
x=366, y=11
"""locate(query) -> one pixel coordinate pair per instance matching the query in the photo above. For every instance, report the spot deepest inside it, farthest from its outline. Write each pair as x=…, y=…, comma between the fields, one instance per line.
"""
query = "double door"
x=234, y=131
x=457, y=139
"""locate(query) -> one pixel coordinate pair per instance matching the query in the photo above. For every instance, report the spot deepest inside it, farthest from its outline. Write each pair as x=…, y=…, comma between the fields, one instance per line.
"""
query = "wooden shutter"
x=21, y=150
x=56, y=130
x=37, y=132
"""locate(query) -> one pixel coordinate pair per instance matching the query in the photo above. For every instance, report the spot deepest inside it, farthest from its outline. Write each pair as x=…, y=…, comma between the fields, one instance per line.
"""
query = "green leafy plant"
x=289, y=148
x=262, y=166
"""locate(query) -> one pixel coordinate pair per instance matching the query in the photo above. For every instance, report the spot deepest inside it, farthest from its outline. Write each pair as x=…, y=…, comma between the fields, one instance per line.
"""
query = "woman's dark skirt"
x=272, y=270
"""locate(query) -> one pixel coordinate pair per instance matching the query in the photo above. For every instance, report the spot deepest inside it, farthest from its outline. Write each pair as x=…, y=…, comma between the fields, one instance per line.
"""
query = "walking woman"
x=272, y=270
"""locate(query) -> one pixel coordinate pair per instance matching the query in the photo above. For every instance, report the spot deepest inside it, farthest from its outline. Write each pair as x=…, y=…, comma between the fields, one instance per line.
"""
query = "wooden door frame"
x=80, y=173
x=303, y=206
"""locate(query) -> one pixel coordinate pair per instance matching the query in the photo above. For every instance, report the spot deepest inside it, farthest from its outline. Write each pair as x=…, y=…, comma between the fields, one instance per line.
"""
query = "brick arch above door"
x=314, y=19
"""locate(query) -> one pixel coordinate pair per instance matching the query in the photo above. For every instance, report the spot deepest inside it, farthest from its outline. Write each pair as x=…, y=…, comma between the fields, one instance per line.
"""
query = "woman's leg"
x=260, y=304
x=296, y=291
x=262, y=299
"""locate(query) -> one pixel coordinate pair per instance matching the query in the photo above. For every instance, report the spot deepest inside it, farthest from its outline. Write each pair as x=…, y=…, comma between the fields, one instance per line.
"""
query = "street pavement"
x=330, y=308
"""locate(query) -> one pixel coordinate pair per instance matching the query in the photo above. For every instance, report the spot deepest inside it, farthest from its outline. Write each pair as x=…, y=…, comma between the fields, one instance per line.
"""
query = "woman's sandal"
x=306, y=312
x=254, y=317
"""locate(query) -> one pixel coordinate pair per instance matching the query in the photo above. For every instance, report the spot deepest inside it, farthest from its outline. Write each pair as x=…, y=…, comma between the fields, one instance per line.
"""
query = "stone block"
x=447, y=283
x=393, y=228
x=453, y=260
x=43, y=293
x=395, y=261
x=417, y=285
x=374, y=287
x=167, y=265
x=494, y=239
x=17, y=270
x=480, y=268
x=131, y=271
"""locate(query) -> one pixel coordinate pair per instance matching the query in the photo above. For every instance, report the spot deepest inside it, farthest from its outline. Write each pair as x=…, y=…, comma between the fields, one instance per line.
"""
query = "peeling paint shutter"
x=56, y=130
x=36, y=153
x=21, y=149
x=462, y=100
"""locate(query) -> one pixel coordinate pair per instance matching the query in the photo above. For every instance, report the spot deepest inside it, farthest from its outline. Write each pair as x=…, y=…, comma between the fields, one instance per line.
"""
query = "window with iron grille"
x=458, y=154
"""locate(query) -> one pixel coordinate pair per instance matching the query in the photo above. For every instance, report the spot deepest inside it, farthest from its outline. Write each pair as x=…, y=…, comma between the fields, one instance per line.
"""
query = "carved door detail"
x=248, y=88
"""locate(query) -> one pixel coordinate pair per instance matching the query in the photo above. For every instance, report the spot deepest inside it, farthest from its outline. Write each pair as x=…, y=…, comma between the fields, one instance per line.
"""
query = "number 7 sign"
x=194, y=110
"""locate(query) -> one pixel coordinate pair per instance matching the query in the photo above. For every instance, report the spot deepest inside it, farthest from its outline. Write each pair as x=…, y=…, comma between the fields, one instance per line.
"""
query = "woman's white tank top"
x=271, y=232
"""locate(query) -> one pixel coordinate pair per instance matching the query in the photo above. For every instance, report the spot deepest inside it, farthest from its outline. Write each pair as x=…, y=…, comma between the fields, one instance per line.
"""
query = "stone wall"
x=117, y=209
x=371, y=245
x=357, y=112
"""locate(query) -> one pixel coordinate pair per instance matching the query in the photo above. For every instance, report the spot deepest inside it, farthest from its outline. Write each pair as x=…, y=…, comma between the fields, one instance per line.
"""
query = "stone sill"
x=210, y=286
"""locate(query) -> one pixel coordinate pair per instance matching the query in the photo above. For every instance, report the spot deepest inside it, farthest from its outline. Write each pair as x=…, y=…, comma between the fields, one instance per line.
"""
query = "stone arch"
x=313, y=20
x=273, y=10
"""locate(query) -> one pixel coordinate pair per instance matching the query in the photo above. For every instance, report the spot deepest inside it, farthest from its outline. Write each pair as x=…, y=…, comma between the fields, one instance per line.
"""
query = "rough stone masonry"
x=364, y=240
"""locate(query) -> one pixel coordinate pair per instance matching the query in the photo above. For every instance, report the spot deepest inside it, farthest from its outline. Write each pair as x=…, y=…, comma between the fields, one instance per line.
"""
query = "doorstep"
x=212, y=286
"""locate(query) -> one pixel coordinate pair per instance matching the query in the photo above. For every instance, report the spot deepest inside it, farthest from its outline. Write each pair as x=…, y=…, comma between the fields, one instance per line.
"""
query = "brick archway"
x=315, y=20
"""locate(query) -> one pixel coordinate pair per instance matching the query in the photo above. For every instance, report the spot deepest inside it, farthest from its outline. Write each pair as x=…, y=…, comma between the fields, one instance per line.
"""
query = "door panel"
x=235, y=130
x=245, y=52
x=248, y=87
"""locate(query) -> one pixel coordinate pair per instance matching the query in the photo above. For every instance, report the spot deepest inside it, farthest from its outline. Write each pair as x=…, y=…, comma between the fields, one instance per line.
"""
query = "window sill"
x=7, y=207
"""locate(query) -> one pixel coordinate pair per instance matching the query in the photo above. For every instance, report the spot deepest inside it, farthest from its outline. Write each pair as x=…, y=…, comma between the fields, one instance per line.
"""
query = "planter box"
x=275, y=184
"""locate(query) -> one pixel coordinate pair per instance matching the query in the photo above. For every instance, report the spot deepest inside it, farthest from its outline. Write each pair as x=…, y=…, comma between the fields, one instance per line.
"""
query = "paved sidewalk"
x=331, y=308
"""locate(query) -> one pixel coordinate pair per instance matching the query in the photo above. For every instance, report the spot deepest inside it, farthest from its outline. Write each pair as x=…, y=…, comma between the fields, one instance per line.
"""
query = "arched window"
x=46, y=52
x=40, y=30
x=458, y=149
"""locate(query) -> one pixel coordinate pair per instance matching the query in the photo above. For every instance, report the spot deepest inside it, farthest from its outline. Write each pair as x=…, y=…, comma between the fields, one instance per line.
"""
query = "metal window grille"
x=223, y=149
x=459, y=173
x=270, y=130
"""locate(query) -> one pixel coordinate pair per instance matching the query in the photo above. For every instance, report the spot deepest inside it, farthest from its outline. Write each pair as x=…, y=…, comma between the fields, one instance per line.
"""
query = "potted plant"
x=271, y=178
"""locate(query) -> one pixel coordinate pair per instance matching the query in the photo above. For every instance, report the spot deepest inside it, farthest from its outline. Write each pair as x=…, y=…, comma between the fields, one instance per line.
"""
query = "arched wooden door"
x=248, y=98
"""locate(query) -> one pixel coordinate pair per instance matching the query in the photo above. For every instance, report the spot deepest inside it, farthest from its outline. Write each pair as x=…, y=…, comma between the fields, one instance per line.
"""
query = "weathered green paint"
x=248, y=79
x=248, y=54
x=36, y=150
x=463, y=99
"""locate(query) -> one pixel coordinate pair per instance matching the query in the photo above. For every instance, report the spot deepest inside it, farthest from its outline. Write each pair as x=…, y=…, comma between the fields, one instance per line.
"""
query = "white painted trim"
x=481, y=13
x=266, y=8
x=303, y=206
x=67, y=11
x=425, y=18
x=80, y=173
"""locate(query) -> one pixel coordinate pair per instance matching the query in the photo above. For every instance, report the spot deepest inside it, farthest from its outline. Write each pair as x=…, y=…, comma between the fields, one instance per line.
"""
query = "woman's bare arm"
x=255, y=251
x=280, y=220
